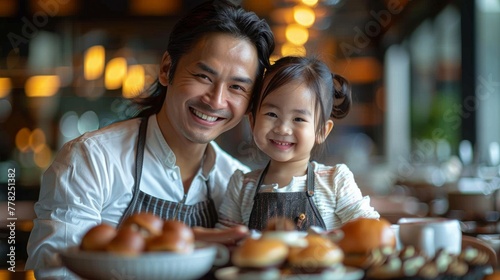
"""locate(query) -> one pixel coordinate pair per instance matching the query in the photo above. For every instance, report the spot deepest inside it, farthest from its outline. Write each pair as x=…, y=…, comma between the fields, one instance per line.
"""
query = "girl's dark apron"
x=203, y=213
x=297, y=206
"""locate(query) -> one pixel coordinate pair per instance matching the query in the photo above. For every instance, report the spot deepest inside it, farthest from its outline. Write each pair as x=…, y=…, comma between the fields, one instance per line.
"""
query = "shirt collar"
x=165, y=154
x=168, y=155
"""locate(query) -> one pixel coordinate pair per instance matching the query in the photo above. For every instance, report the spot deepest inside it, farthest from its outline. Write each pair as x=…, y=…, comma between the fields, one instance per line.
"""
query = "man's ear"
x=165, y=65
x=326, y=131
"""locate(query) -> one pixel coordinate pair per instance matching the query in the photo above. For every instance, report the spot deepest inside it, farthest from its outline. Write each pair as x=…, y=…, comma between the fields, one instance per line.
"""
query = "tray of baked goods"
x=281, y=252
x=361, y=249
x=142, y=247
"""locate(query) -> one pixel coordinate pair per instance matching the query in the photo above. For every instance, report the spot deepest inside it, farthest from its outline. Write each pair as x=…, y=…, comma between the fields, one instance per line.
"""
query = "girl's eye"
x=271, y=114
x=299, y=120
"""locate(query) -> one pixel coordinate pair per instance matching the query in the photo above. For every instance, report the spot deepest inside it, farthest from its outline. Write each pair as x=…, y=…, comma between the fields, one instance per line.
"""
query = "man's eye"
x=203, y=76
x=237, y=87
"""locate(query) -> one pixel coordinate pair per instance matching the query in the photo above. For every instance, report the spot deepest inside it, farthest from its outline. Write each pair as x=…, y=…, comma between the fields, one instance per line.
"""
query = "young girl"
x=298, y=100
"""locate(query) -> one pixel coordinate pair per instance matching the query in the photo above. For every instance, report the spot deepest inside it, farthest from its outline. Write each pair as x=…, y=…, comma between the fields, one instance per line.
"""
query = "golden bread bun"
x=316, y=255
x=127, y=242
x=176, y=237
x=318, y=239
x=170, y=242
x=147, y=224
x=98, y=237
x=260, y=253
x=363, y=235
x=179, y=228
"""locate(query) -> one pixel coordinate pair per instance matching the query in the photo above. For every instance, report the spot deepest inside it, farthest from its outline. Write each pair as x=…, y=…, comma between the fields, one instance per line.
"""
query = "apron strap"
x=310, y=180
x=139, y=157
x=310, y=194
x=259, y=182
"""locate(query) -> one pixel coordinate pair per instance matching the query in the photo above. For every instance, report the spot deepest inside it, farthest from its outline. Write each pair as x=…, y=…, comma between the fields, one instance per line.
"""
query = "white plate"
x=148, y=265
x=351, y=273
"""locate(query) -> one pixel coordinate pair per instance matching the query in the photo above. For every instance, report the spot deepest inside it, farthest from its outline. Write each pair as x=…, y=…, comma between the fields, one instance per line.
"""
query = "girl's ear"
x=166, y=63
x=326, y=131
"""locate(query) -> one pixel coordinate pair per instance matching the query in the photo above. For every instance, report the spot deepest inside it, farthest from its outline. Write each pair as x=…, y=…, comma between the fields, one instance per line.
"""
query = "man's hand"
x=227, y=237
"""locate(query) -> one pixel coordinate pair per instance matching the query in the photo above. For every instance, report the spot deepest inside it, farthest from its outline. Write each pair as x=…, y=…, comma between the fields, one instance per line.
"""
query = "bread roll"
x=127, y=241
x=175, y=237
x=260, y=253
x=98, y=237
x=363, y=235
x=316, y=257
x=147, y=224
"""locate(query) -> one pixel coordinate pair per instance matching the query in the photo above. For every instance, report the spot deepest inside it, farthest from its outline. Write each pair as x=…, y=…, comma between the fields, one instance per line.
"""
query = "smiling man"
x=163, y=161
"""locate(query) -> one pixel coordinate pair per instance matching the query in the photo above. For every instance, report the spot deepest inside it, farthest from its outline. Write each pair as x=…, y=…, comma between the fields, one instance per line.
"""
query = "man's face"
x=211, y=88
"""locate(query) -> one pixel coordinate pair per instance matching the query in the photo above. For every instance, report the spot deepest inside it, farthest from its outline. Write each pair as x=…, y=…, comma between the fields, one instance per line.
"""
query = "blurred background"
x=423, y=133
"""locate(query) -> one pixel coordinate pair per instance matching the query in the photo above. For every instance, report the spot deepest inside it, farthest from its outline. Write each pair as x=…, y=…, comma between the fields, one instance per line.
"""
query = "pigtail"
x=342, y=97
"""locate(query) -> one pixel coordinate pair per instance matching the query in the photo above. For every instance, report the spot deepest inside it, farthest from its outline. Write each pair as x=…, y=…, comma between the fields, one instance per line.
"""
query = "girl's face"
x=284, y=125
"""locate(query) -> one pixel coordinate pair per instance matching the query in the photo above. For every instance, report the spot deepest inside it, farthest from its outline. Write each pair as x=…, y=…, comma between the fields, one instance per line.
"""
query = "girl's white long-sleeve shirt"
x=336, y=195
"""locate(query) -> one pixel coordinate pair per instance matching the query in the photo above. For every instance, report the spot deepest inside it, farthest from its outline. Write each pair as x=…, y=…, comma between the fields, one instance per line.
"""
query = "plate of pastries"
x=361, y=249
x=143, y=247
x=281, y=252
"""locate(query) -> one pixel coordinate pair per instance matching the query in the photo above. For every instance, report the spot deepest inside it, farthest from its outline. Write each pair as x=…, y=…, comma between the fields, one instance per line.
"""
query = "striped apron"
x=296, y=206
x=202, y=214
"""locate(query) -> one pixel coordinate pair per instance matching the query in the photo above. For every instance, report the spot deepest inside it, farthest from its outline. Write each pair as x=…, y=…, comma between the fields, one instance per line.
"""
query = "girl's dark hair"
x=333, y=92
x=218, y=16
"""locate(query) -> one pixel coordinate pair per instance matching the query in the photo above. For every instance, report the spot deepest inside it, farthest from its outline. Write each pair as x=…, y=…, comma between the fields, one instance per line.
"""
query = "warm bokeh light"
x=359, y=69
x=22, y=139
x=296, y=34
x=282, y=16
x=54, y=8
x=116, y=69
x=8, y=8
x=291, y=49
x=43, y=156
x=93, y=64
x=310, y=2
x=134, y=82
x=155, y=7
x=304, y=15
x=43, y=85
x=5, y=87
x=37, y=140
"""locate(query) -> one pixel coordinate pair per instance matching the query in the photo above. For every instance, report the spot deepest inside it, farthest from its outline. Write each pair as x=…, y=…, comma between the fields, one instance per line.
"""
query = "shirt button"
x=170, y=159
